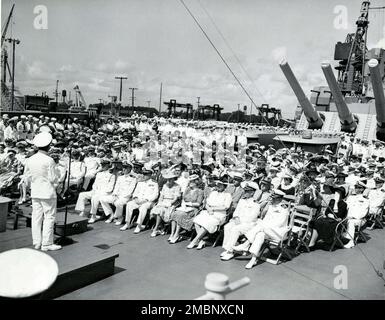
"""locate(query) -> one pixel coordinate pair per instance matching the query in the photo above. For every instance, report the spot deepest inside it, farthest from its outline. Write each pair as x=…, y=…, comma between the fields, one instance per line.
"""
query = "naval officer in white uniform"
x=40, y=172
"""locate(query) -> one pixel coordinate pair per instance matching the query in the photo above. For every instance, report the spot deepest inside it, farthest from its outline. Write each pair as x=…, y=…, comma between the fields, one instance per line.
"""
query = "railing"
x=218, y=286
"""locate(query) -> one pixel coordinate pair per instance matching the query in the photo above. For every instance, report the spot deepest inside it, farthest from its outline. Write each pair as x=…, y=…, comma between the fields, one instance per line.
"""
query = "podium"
x=4, y=203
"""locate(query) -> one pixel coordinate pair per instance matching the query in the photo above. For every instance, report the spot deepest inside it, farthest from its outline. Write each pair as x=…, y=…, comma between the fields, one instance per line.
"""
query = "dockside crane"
x=352, y=55
x=80, y=102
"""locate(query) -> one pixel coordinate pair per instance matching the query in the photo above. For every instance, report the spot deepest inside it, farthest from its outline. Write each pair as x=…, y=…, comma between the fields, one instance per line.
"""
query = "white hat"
x=26, y=273
x=43, y=139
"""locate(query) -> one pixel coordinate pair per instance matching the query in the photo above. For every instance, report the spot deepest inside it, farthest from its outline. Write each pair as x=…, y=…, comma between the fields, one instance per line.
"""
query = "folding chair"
x=359, y=234
x=375, y=219
x=282, y=244
x=300, y=229
x=338, y=234
x=221, y=231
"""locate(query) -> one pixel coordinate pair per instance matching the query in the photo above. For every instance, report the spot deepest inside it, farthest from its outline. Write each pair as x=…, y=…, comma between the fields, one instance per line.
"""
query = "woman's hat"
x=168, y=174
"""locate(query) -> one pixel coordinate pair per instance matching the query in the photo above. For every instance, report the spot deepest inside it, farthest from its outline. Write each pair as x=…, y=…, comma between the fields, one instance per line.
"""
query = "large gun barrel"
x=379, y=96
x=348, y=124
x=312, y=116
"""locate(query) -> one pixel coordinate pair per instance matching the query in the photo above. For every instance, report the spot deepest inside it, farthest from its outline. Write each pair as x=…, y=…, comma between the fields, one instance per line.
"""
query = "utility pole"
x=14, y=43
x=199, y=99
x=100, y=101
x=133, y=97
x=121, y=86
x=160, y=97
x=120, y=92
x=56, y=91
x=238, y=112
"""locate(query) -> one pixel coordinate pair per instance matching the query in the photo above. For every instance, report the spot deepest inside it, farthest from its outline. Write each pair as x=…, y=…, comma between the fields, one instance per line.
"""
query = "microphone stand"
x=64, y=240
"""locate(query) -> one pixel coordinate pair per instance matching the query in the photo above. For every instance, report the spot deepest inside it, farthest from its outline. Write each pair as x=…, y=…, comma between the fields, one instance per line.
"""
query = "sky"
x=90, y=42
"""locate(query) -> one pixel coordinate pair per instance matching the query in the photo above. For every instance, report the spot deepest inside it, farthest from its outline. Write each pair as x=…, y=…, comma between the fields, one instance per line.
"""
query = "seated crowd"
x=200, y=179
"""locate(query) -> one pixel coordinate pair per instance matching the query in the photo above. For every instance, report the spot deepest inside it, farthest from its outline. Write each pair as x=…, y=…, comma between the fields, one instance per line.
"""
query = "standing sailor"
x=40, y=171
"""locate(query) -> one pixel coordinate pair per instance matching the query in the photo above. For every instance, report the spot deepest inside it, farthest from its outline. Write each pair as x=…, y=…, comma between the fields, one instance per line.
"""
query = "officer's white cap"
x=44, y=129
x=26, y=273
x=43, y=139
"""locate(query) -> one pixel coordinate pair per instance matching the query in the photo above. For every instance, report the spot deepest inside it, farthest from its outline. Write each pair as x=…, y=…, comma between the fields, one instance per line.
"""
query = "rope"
x=232, y=51
x=251, y=99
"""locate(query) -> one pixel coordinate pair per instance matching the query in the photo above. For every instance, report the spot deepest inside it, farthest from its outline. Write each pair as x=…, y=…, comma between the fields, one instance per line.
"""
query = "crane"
x=351, y=67
x=4, y=33
x=80, y=102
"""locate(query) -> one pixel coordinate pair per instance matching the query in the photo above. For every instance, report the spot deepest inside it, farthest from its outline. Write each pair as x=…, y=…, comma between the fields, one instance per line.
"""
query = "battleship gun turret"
x=378, y=91
x=348, y=123
x=312, y=116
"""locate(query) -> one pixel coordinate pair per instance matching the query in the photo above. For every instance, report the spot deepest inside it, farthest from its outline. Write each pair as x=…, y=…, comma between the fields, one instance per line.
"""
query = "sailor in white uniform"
x=40, y=171
x=358, y=208
x=244, y=218
x=124, y=188
x=273, y=225
x=144, y=197
x=103, y=185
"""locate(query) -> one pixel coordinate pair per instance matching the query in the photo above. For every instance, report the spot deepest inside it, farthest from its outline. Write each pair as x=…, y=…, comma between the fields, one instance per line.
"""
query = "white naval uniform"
x=22, y=130
x=247, y=211
x=78, y=171
x=10, y=133
x=358, y=207
x=40, y=171
x=376, y=199
x=124, y=187
x=147, y=191
x=103, y=185
x=273, y=226
x=92, y=164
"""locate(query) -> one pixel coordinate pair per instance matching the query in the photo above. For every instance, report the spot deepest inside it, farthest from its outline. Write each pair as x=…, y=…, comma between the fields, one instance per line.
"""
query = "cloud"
x=67, y=68
x=36, y=70
x=120, y=65
x=98, y=85
x=279, y=53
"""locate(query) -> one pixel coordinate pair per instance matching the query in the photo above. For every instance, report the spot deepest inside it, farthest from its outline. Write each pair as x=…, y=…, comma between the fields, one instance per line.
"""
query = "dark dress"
x=326, y=226
x=183, y=218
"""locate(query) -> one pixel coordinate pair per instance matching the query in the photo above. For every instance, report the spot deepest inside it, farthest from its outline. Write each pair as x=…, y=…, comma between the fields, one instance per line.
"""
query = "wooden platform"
x=79, y=264
x=74, y=225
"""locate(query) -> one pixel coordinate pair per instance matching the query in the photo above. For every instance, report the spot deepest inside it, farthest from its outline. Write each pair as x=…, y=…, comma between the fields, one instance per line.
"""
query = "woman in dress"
x=214, y=215
x=324, y=226
x=168, y=200
x=182, y=217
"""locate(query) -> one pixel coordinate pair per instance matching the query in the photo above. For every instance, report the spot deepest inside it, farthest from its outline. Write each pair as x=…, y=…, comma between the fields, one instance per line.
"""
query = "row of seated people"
x=250, y=210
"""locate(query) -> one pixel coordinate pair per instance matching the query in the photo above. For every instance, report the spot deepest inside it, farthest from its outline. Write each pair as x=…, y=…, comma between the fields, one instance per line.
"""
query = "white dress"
x=211, y=220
